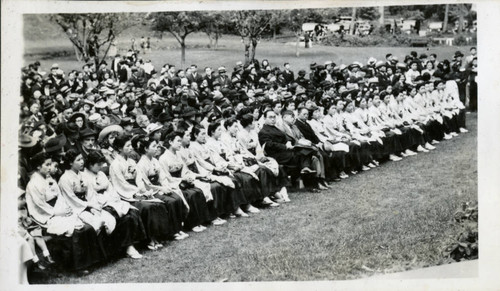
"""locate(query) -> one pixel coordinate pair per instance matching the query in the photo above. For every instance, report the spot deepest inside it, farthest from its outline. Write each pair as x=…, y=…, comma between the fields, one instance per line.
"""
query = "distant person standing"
x=143, y=45
x=148, y=44
x=132, y=45
x=307, y=40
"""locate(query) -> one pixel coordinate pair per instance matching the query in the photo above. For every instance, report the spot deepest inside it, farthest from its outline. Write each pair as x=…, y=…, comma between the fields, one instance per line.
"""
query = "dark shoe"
x=337, y=180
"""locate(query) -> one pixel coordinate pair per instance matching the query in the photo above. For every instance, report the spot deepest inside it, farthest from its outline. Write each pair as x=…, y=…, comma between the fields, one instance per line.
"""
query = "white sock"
x=46, y=253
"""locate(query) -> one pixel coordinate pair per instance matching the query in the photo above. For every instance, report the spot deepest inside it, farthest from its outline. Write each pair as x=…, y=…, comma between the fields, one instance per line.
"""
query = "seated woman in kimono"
x=186, y=207
x=124, y=178
x=74, y=191
x=49, y=210
x=271, y=179
x=245, y=176
x=129, y=228
x=218, y=198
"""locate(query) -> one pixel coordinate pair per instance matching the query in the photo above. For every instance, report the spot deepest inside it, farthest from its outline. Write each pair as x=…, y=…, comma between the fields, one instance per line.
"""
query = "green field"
x=393, y=218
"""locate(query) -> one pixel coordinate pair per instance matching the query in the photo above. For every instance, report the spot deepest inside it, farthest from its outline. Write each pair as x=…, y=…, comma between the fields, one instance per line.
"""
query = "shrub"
x=465, y=246
x=376, y=39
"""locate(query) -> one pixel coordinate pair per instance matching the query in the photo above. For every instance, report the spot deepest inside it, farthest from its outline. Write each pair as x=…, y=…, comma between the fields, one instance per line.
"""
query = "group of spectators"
x=112, y=157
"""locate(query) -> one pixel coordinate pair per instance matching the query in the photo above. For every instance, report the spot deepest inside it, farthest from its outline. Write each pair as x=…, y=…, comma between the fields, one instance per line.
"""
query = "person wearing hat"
x=115, y=115
x=301, y=80
x=79, y=119
x=86, y=142
x=28, y=146
x=223, y=79
x=51, y=122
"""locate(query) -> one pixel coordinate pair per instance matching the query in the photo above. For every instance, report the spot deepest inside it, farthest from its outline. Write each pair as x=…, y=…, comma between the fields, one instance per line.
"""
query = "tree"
x=296, y=18
x=368, y=13
x=445, y=22
x=213, y=24
x=278, y=20
x=353, y=21
x=179, y=25
x=250, y=25
x=91, y=32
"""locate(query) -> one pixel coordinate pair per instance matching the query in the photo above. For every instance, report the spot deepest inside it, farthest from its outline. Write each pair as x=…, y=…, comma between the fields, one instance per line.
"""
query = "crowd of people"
x=120, y=156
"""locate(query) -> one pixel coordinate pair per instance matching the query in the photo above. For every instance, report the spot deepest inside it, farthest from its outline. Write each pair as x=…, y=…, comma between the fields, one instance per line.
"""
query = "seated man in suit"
x=284, y=149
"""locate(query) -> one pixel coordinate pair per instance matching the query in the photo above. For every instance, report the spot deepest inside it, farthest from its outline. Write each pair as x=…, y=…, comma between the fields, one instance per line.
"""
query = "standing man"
x=288, y=74
x=193, y=76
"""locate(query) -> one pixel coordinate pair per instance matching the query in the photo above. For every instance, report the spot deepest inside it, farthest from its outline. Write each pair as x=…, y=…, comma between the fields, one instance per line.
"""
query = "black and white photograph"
x=252, y=143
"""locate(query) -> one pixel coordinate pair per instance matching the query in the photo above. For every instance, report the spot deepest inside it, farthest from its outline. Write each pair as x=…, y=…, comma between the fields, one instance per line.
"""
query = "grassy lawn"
x=393, y=218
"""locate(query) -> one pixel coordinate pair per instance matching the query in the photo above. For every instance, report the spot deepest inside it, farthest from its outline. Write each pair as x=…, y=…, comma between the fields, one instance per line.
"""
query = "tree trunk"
x=78, y=54
x=297, y=46
x=353, y=21
x=274, y=33
x=210, y=44
x=216, y=43
x=183, y=53
x=247, y=53
x=105, y=53
x=254, y=47
x=445, y=21
x=461, y=19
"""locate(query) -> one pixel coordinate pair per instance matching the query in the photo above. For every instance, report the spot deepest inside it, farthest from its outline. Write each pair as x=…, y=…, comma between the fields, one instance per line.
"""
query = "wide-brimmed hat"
x=188, y=112
x=458, y=54
x=26, y=141
x=287, y=95
x=152, y=127
x=101, y=104
x=49, y=115
x=75, y=115
x=65, y=89
x=103, y=122
x=128, y=121
x=110, y=84
x=109, y=129
x=380, y=64
x=114, y=106
x=55, y=144
x=355, y=65
x=71, y=130
x=94, y=117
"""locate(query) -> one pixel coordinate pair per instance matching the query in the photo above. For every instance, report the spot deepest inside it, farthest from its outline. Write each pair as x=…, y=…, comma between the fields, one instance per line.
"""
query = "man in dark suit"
x=327, y=160
x=209, y=77
x=194, y=76
x=280, y=147
x=223, y=79
x=288, y=74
